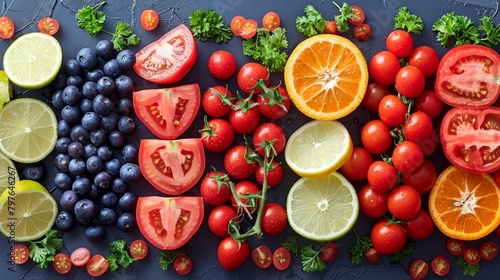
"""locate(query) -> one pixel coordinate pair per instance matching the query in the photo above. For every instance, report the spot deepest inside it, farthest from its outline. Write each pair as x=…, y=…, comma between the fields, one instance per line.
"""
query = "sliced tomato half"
x=167, y=112
x=467, y=75
x=172, y=166
x=169, y=222
x=470, y=138
x=168, y=59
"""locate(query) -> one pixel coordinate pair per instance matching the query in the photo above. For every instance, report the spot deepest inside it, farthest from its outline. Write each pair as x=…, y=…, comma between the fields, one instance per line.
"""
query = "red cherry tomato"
x=243, y=188
x=356, y=167
x=222, y=64
x=422, y=178
x=417, y=127
x=217, y=135
x=472, y=255
x=138, y=249
x=214, y=188
x=376, y=136
x=424, y=58
x=362, y=32
x=388, y=238
x=331, y=28
x=21, y=253
x=392, y=110
x=269, y=132
x=384, y=67
x=410, y=81
x=219, y=218
x=429, y=103
x=245, y=116
x=271, y=21
x=400, y=43
x=371, y=202
x=358, y=15
x=407, y=156
x=281, y=258
x=6, y=28
x=440, y=265
x=329, y=252
x=455, y=247
x=262, y=256
x=80, y=256
x=62, y=263
x=418, y=269
x=48, y=25
x=97, y=265
x=274, y=175
x=217, y=101
x=149, y=19
x=183, y=264
x=488, y=250
x=373, y=95
x=275, y=104
x=236, y=22
x=274, y=219
x=249, y=74
x=371, y=255
x=404, y=202
x=419, y=226
x=232, y=254
x=382, y=176
x=236, y=165
x=248, y=29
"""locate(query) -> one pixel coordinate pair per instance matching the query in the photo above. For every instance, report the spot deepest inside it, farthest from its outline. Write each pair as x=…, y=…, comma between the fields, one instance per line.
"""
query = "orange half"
x=465, y=205
x=326, y=77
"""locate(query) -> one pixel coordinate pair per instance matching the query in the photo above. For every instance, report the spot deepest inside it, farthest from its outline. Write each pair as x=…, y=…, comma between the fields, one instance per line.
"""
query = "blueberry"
x=63, y=181
x=105, y=153
x=112, y=69
x=130, y=172
x=86, y=106
x=95, y=75
x=95, y=233
x=71, y=95
x=61, y=162
x=85, y=209
x=103, y=105
x=117, y=139
x=112, y=166
x=104, y=49
x=128, y=201
x=89, y=90
x=126, y=125
x=119, y=186
x=87, y=58
x=59, y=82
x=106, y=86
x=57, y=100
x=68, y=200
x=63, y=128
x=124, y=86
x=130, y=153
x=91, y=121
x=65, y=221
x=109, y=199
x=72, y=68
x=77, y=166
x=90, y=150
x=126, y=59
x=74, y=81
x=107, y=216
x=34, y=171
x=62, y=144
x=81, y=186
x=80, y=134
x=94, y=165
x=103, y=180
x=98, y=137
x=126, y=222
x=125, y=106
x=109, y=122
x=76, y=150
x=94, y=192
x=71, y=113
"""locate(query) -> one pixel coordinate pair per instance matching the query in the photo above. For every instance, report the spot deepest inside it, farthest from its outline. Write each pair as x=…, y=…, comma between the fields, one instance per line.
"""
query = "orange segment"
x=326, y=77
x=465, y=205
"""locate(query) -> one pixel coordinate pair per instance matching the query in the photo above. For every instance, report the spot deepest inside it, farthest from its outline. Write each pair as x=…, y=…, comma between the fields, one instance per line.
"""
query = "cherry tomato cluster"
x=247, y=28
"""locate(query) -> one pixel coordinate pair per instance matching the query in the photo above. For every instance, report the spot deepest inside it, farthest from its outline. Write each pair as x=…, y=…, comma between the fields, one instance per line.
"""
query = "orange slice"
x=326, y=77
x=465, y=205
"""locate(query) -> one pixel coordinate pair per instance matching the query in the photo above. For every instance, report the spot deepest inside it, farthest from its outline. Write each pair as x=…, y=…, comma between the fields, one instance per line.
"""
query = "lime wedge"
x=8, y=173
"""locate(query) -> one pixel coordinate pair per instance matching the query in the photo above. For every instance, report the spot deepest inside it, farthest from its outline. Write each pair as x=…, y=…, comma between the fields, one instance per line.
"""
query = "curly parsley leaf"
x=311, y=262
x=408, y=21
x=167, y=257
x=362, y=244
x=119, y=255
x=209, y=24
x=491, y=36
x=267, y=48
x=43, y=251
x=90, y=18
x=312, y=23
x=467, y=269
x=460, y=29
x=124, y=37
x=290, y=243
x=346, y=13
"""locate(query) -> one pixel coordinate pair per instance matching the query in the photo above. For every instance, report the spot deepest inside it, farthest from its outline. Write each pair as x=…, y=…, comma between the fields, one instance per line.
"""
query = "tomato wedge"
x=168, y=59
x=467, y=75
x=172, y=166
x=470, y=136
x=169, y=222
x=167, y=112
x=6, y=27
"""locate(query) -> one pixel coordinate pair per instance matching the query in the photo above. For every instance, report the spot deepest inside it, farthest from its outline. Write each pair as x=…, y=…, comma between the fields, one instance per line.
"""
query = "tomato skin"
x=429, y=103
x=410, y=81
x=384, y=67
x=222, y=64
x=274, y=176
x=488, y=250
x=418, y=127
x=440, y=265
x=274, y=219
x=97, y=265
x=183, y=264
x=424, y=58
x=262, y=256
x=331, y=28
x=419, y=269
x=356, y=167
x=149, y=19
x=282, y=258
x=270, y=107
x=269, y=131
x=430, y=144
x=371, y=255
x=249, y=74
x=422, y=178
x=7, y=28
x=213, y=105
x=236, y=165
x=358, y=16
x=48, y=25
x=214, y=188
x=472, y=255
x=388, y=238
x=21, y=253
x=218, y=135
x=242, y=188
x=235, y=24
x=376, y=136
x=138, y=249
x=404, y=202
x=271, y=21
x=80, y=256
x=455, y=247
x=362, y=32
x=152, y=66
x=329, y=252
x=392, y=110
x=244, y=121
x=459, y=86
x=62, y=263
x=419, y=226
x=167, y=112
x=232, y=255
x=172, y=166
x=400, y=43
x=373, y=95
x=371, y=202
x=382, y=176
x=219, y=218
x=152, y=212
x=248, y=29
x=407, y=156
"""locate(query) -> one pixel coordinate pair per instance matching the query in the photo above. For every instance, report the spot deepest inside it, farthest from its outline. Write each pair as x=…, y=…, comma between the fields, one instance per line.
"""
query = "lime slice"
x=323, y=208
x=318, y=148
x=33, y=60
x=5, y=91
x=27, y=211
x=8, y=173
x=28, y=130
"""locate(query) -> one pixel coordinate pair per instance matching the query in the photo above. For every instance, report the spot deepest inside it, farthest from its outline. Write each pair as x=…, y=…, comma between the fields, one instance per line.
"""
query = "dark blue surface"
x=379, y=14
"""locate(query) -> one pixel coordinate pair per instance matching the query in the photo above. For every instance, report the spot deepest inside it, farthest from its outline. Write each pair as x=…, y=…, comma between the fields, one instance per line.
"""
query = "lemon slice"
x=27, y=211
x=8, y=173
x=28, y=130
x=33, y=60
x=318, y=148
x=323, y=208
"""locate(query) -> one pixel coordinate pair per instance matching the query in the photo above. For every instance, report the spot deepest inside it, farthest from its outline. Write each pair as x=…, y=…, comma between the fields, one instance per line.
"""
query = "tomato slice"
x=97, y=265
x=440, y=265
x=138, y=249
x=271, y=21
x=183, y=264
x=167, y=112
x=62, y=263
x=262, y=256
x=80, y=256
x=472, y=255
x=169, y=222
x=469, y=138
x=455, y=247
x=168, y=59
x=21, y=253
x=489, y=250
x=282, y=258
x=236, y=22
x=149, y=19
x=467, y=75
x=248, y=29
x=172, y=166
x=6, y=28
x=48, y=25
x=418, y=269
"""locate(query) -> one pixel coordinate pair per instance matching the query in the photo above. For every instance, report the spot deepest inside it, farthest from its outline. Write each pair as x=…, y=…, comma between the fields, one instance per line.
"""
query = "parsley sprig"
x=167, y=257
x=267, y=48
x=43, y=251
x=467, y=269
x=290, y=243
x=408, y=21
x=362, y=244
x=209, y=24
x=312, y=23
x=346, y=13
x=311, y=261
x=119, y=255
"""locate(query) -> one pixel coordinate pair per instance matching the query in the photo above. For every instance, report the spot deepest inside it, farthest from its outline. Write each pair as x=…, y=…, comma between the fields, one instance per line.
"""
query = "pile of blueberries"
x=95, y=164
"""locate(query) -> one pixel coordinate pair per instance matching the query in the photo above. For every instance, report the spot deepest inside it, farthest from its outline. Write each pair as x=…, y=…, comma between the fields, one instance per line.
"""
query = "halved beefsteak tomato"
x=168, y=112
x=172, y=166
x=169, y=222
x=168, y=59
x=471, y=138
x=468, y=75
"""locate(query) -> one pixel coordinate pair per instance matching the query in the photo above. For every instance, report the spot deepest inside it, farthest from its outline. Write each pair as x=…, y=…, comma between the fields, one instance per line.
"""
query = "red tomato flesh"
x=21, y=253
x=262, y=256
x=48, y=25
x=149, y=19
x=138, y=249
